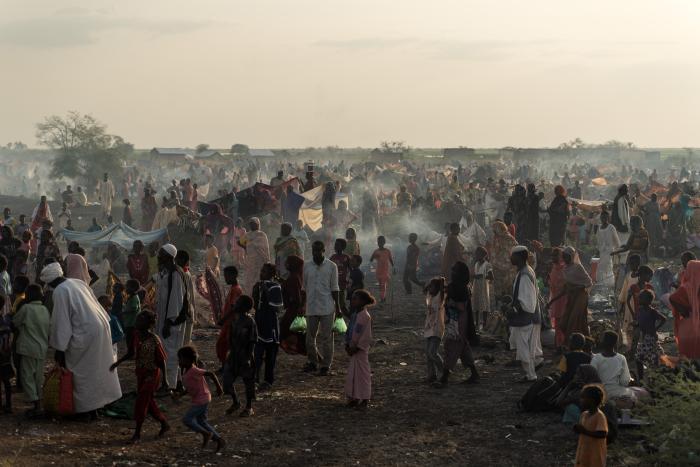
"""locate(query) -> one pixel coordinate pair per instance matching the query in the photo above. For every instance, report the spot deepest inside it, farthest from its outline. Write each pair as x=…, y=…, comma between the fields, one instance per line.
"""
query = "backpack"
x=541, y=396
x=184, y=313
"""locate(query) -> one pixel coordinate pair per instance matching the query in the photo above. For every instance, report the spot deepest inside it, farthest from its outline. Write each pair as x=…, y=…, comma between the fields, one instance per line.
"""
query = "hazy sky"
x=296, y=73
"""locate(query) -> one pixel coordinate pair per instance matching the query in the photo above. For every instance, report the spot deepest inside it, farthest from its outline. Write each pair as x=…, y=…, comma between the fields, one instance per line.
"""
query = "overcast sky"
x=296, y=73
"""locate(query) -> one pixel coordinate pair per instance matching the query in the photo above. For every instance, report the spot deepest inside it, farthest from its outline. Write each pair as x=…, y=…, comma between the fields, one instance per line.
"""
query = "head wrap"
x=170, y=249
x=500, y=228
x=519, y=249
x=51, y=272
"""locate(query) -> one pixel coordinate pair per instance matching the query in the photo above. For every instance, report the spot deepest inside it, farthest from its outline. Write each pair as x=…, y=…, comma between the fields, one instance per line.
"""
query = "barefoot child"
x=384, y=264
x=193, y=379
x=358, y=383
x=644, y=276
x=592, y=429
x=240, y=361
x=411, y=268
x=131, y=310
x=31, y=323
x=149, y=356
x=434, y=326
x=648, y=349
x=356, y=278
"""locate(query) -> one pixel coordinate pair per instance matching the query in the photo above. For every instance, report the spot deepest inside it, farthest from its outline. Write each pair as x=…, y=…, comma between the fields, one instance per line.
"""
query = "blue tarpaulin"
x=119, y=234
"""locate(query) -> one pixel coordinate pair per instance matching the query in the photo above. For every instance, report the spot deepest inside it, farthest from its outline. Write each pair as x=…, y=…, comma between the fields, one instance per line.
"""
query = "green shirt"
x=132, y=307
x=32, y=321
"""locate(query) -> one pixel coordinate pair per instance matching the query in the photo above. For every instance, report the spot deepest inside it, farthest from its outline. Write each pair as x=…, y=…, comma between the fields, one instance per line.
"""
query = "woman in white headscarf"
x=257, y=253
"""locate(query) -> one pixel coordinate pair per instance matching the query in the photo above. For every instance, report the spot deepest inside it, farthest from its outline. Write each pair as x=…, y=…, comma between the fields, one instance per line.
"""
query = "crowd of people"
x=519, y=252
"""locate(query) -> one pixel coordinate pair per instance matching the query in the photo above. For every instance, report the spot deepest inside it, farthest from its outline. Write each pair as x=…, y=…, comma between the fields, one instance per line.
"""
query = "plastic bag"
x=298, y=325
x=339, y=326
x=58, y=392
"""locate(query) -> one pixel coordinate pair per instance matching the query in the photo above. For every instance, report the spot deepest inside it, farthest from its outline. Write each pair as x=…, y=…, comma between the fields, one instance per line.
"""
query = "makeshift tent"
x=588, y=205
x=311, y=212
x=253, y=201
x=119, y=234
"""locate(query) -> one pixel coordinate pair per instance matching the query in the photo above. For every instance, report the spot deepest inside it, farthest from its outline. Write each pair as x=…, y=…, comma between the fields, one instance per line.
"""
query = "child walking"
x=384, y=264
x=434, y=327
x=411, y=268
x=356, y=278
x=149, y=355
x=132, y=308
x=240, y=361
x=644, y=276
x=31, y=323
x=194, y=381
x=648, y=349
x=483, y=276
x=592, y=429
x=358, y=383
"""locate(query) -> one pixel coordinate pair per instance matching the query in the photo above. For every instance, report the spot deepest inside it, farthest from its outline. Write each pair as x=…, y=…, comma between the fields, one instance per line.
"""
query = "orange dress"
x=384, y=260
x=592, y=452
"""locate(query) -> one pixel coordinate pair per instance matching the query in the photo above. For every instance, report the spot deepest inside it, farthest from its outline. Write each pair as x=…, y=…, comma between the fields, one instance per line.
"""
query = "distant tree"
x=613, y=143
x=201, y=148
x=573, y=144
x=16, y=146
x=239, y=149
x=84, y=148
x=395, y=147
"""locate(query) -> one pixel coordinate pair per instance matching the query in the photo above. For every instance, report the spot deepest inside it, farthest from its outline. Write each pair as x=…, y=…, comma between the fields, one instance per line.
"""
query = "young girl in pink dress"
x=384, y=264
x=358, y=383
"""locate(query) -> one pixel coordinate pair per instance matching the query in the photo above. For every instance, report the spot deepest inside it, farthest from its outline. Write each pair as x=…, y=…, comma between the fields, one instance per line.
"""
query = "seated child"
x=574, y=358
x=615, y=374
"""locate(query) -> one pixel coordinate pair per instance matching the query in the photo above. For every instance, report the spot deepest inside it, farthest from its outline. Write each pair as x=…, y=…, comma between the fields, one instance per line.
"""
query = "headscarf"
x=51, y=272
x=574, y=273
x=500, y=229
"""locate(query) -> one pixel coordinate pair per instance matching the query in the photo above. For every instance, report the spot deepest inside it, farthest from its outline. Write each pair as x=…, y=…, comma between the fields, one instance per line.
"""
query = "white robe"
x=472, y=236
x=177, y=333
x=526, y=339
x=608, y=241
x=80, y=328
x=106, y=193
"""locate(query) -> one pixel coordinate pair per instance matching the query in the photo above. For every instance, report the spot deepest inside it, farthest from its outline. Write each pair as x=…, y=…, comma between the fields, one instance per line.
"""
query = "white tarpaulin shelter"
x=310, y=212
x=120, y=234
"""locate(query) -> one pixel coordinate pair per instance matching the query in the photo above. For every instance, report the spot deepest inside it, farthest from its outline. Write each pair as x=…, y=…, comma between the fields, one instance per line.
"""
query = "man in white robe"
x=171, y=292
x=525, y=331
x=472, y=236
x=106, y=193
x=81, y=336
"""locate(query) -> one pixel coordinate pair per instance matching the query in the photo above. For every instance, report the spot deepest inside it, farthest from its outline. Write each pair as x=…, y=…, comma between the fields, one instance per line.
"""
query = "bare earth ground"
x=302, y=421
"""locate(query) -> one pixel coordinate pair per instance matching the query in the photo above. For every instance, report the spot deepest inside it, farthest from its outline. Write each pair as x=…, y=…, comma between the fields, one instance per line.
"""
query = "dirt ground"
x=303, y=421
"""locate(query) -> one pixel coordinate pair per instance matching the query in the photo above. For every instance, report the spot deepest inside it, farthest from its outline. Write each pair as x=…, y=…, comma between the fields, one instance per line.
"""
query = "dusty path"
x=302, y=421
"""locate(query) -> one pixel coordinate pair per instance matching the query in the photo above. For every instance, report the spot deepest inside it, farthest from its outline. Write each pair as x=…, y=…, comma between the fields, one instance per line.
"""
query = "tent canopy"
x=311, y=211
x=120, y=234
